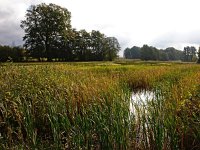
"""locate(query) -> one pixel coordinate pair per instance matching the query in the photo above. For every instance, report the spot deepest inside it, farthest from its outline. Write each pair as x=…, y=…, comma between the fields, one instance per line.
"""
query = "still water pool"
x=140, y=98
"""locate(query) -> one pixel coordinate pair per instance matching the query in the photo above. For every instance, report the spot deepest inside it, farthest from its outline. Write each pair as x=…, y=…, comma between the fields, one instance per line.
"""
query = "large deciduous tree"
x=190, y=54
x=46, y=28
x=97, y=45
x=149, y=53
x=83, y=42
x=132, y=53
x=112, y=48
x=198, y=56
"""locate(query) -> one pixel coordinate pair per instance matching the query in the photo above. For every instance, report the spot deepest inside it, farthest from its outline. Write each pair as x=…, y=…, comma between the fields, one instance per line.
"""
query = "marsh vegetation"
x=87, y=106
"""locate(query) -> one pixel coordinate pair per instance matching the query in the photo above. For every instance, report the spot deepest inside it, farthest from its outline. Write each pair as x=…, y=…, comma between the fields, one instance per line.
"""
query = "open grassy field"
x=87, y=106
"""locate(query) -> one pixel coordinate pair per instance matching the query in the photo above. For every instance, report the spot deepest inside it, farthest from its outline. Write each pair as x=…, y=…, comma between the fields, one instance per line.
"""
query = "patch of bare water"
x=140, y=98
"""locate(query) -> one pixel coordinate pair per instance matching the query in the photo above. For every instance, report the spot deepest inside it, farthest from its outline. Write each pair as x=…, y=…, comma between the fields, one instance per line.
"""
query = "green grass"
x=86, y=106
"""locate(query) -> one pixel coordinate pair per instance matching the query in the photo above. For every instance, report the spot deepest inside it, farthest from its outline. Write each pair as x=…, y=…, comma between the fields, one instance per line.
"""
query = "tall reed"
x=87, y=106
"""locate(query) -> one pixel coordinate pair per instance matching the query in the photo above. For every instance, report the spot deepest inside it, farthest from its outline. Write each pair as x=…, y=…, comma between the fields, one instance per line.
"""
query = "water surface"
x=140, y=98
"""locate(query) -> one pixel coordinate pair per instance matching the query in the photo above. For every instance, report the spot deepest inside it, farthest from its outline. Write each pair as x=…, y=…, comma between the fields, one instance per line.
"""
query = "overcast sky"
x=159, y=23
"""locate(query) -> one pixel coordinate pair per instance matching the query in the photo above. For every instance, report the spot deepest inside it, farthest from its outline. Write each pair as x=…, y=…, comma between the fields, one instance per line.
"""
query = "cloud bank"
x=178, y=39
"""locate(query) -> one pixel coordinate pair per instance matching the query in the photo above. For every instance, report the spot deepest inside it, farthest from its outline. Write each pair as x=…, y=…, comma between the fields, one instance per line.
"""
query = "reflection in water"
x=140, y=98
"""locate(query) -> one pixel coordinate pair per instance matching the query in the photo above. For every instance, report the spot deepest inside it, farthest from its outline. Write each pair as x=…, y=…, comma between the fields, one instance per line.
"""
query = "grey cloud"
x=9, y=27
x=10, y=31
x=5, y=14
x=124, y=42
x=175, y=38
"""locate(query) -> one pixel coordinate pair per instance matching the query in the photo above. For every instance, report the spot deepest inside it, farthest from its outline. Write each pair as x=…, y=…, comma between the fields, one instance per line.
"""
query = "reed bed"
x=87, y=106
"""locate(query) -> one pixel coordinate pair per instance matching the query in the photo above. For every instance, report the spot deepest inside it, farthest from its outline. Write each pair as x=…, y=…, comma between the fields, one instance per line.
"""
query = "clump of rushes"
x=170, y=120
x=187, y=99
x=86, y=106
x=63, y=109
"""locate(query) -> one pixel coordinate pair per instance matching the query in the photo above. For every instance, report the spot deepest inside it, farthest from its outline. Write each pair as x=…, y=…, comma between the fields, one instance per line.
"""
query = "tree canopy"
x=190, y=53
x=132, y=53
x=198, y=56
x=49, y=34
x=152, y=53
x=8, y=53
x=45, y=28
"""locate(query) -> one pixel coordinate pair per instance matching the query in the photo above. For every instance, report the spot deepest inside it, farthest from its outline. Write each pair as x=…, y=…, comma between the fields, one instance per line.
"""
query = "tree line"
x=8, y=53
x=50, y=36
x=189, y=54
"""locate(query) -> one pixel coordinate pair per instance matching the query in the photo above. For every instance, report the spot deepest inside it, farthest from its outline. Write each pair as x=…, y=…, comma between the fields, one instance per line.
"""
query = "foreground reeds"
x=86, y=106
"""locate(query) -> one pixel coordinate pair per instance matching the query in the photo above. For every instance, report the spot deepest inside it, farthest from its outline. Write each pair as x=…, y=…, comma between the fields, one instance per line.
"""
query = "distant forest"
x=189, y=54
